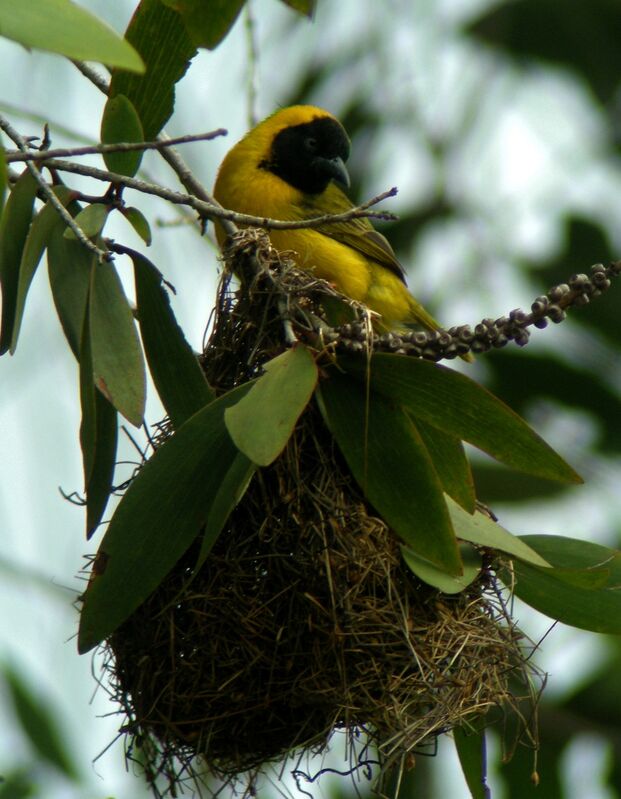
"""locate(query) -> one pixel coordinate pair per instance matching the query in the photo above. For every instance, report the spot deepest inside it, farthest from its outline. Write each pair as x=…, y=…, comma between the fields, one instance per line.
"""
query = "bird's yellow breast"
x=328, y=259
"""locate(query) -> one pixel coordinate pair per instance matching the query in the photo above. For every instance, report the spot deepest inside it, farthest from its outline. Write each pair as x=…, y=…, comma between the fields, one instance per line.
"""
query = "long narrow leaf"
x=14, y=227
x=391, y=464
x=118, y=365
x=43, y=226
x=176, y=372
x=98, y=440
x=456, y=404
x=161, y=38
x=161, y=514
x=69, y=266
x=592, y=602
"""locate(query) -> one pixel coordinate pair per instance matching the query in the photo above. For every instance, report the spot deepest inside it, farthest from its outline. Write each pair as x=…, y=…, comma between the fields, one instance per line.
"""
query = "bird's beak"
x=336, y=169
x=339, y=172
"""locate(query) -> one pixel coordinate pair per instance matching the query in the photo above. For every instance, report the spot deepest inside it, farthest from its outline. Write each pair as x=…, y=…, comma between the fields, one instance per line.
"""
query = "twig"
x=212, y=210
x=102, y=255
x=191, y=184
x=70, y=152
x=95, y=78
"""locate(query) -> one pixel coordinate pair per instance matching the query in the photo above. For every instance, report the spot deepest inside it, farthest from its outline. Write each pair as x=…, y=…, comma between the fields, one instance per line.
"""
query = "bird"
x=291, y=166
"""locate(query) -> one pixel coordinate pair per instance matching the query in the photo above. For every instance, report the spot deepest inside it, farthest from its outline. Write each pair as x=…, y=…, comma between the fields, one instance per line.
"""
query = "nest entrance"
x=304, y=618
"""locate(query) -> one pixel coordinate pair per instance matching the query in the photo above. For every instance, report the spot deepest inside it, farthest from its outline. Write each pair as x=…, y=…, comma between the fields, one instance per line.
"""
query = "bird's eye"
x=311, y=144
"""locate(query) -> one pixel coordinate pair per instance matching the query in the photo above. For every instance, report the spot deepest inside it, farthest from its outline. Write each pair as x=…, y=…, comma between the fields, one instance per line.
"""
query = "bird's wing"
x=358, y=234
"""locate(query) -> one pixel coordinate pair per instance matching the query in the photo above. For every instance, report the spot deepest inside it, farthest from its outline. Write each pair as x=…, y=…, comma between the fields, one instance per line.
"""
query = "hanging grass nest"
x=304, y=618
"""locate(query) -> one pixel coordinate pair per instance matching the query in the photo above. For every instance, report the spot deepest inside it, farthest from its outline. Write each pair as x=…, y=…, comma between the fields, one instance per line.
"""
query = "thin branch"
x=193, y=186
x=212, y=210
x=95, y=78
x=70, y=152
x=45, y=188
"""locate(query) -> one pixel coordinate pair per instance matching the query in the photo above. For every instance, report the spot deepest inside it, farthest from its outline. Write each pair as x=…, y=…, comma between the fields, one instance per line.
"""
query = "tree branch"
x=102, y=255
x=95, y=78
x=69, y=152
x=210, y=209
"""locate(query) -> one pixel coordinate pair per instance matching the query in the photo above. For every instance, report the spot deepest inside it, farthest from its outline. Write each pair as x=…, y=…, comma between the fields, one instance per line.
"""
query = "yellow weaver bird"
x=291, y=166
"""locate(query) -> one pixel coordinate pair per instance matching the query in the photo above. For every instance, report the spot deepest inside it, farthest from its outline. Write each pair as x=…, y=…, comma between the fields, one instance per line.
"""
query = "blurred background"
x=500, y=124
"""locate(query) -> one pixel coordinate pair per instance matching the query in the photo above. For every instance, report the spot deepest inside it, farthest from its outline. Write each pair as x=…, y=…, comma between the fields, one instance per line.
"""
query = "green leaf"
x=573, y=553
x=582, y=578
x=176, y=372
x=177, y=375
x=471, y=750
x=460, y=407
x=451, y=464
x=159, y=35
x=120, y=123
x=90, y=220
x=207, y=23
x=306, y=7
x=139, y=222
x=118, y=365
x=481, y=530
x=263, y=421
x=390, y=463
x=41, y=229
x=14, y=227
x=159, y=517
x=98, y=439
x=232, y=488
x=561, y=593
x=38, y=722
x=69, y=267
x=60, y=26
x=444, y=582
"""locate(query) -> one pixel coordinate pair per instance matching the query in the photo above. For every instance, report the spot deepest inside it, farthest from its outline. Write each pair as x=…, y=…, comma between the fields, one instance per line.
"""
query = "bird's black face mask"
x=310, y=155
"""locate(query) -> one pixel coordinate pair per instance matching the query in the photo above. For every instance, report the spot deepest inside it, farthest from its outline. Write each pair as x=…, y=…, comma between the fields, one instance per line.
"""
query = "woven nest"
x=304, y=618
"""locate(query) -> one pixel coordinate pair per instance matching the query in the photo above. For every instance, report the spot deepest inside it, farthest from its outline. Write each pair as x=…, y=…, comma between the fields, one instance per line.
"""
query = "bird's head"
x=306, y=147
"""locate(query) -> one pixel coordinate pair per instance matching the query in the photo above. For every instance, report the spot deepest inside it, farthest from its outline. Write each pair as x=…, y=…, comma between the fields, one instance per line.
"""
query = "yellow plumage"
x=302, y=145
